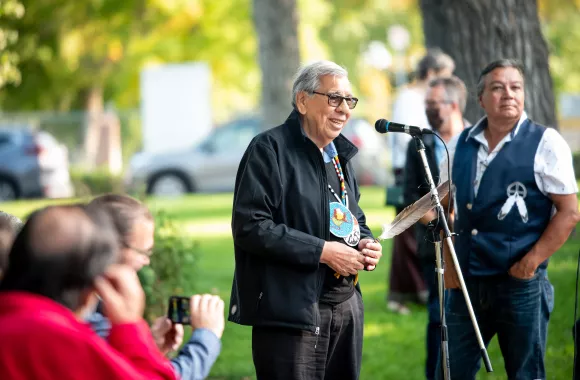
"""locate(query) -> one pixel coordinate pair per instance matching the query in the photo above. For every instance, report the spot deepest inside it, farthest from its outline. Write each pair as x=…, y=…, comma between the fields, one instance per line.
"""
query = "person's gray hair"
x=434, y=60
x=307, y=78
x=10, y=221
x=500, y=63
x=455, y=90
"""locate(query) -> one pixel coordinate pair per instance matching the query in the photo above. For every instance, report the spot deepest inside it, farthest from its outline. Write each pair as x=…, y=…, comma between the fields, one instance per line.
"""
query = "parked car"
x=211, y=166
x=32, y=164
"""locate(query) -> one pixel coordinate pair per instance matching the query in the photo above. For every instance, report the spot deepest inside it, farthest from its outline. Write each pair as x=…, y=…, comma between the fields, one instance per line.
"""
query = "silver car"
x=32, y=164
x=211, y=166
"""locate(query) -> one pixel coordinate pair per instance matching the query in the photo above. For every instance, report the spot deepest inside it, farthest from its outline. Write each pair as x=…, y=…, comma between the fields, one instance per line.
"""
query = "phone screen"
x=178, y=310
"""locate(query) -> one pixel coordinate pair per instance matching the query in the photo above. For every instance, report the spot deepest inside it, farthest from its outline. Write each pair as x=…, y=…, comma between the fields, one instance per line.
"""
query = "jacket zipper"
x=326, y=231
x=317, y=333
x=259, y=300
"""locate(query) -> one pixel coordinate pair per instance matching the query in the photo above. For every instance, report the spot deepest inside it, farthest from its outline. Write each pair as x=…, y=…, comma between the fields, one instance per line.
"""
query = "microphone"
x=385, y=126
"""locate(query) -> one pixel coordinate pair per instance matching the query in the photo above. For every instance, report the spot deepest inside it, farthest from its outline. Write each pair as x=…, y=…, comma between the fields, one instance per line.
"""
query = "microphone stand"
x=442, y=226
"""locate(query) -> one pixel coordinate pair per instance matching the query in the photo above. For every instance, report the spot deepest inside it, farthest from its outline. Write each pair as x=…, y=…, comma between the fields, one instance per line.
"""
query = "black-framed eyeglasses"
x=336, y=100
x=145, y=252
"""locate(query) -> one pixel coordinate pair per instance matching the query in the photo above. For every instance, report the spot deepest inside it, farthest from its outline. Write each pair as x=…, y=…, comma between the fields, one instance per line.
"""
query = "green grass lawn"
x=393, y=344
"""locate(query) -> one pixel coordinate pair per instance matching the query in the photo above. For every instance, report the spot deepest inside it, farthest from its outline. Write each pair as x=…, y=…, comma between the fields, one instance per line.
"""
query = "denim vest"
x=509, y=214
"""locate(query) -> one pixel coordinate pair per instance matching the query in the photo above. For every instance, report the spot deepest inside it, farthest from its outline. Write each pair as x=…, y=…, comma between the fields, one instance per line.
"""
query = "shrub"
x=87, y=183
x=172, y=269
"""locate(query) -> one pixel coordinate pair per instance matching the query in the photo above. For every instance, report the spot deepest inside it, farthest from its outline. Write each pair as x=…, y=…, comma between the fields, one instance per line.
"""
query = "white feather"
x=411, y=214
x=522, y=209
x=505, y=209
x=405, y=219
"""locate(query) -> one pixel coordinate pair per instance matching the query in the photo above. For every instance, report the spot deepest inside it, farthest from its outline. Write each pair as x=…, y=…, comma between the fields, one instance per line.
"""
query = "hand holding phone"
x=200, y=311
x=207, y=311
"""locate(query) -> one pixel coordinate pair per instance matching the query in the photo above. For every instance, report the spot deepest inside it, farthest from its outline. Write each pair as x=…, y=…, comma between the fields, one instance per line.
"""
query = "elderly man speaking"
x=300, y=237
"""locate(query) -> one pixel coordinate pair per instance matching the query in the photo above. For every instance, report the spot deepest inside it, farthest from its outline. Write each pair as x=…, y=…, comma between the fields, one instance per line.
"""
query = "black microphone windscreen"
x=381, y=126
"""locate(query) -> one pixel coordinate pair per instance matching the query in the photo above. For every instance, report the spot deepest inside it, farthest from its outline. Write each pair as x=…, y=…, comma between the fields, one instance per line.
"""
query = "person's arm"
x=413, y=177
x=554, y=236
x=198, y=355
x=135, y=343
x=555, y=177
x=130, y=351
x=258, y=195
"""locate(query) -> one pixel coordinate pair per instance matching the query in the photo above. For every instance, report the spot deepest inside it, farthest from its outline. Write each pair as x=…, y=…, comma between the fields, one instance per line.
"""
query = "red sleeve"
x=70, y=353
x=135, y=342
x=130, y=353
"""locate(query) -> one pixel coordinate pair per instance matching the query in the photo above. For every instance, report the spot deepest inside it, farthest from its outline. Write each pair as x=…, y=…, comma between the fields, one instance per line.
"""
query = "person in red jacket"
x=61, y=257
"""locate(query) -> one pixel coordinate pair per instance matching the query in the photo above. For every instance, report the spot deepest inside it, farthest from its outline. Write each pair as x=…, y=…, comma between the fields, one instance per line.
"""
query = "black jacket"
x=280, y=222
x=415, y=185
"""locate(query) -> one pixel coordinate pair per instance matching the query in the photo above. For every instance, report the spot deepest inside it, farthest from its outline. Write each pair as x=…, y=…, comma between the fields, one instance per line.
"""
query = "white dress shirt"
x=553, y=168
x=408, y=108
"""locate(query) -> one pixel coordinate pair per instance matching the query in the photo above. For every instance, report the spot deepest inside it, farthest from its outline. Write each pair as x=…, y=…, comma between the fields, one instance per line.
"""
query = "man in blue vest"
x=516, y=205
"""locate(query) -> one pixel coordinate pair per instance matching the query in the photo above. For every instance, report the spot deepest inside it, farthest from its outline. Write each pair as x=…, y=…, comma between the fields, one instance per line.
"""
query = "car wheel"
x=168, y=185
x=7, y=191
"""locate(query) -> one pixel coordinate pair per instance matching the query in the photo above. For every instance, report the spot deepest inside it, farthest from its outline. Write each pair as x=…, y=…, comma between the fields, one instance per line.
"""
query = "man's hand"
x=207, y=311
x=122, y=294
x=373, y=251
x=168, y=337
x=342, y=258
x=523, y=269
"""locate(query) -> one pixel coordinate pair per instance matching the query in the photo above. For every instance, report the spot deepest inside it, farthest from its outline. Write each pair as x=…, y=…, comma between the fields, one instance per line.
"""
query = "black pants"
x=335, y=354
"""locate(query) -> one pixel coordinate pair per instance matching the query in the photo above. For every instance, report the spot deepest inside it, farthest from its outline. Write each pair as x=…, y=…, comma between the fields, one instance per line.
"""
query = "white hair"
x=307, y=78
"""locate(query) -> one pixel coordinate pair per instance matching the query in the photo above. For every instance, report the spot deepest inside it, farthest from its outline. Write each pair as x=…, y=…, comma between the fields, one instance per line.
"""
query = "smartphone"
x=178, y=310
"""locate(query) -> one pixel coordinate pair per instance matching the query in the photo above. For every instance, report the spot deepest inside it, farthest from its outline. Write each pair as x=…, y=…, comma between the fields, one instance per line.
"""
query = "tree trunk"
x=476, y=32
x=276, y=23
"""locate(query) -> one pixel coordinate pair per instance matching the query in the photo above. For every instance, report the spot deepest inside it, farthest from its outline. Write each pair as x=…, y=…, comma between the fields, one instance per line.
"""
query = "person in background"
x=9, y=227
x=61, y=258
x=444, y=106
x=406, y=282
x=135, y=227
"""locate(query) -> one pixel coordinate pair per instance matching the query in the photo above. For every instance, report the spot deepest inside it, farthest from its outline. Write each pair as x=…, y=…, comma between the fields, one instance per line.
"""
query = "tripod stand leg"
x=483, y=350
x=441, y=288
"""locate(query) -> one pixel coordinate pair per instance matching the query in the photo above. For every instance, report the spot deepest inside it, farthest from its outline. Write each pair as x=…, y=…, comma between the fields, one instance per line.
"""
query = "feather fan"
x=411, y=214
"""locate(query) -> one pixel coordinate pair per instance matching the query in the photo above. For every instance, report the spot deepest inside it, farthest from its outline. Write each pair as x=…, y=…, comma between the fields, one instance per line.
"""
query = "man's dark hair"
x=60, y=251
x=124, y=210
x=500, y=63
x=434, y=60
x=9, y=227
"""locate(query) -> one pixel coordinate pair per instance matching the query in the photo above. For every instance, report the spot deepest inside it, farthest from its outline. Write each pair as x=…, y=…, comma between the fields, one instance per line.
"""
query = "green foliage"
x=106, y=43
x=87, y=183
x=10, y=10
x=563, y=37
x=173, y=267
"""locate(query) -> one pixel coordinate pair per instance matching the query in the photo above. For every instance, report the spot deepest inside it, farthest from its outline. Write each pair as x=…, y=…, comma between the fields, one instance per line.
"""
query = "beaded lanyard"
x=338, y=169
x=343, y=199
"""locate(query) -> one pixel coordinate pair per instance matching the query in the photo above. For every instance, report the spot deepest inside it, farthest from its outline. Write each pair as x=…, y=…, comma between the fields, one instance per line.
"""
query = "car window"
x=4, y=139
x=233, y=137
